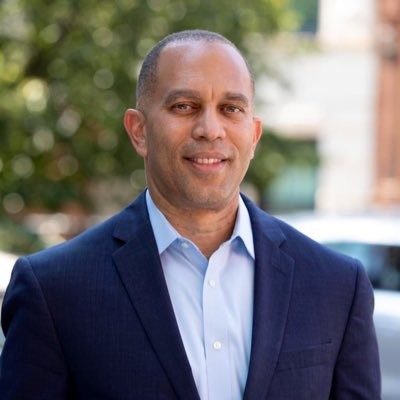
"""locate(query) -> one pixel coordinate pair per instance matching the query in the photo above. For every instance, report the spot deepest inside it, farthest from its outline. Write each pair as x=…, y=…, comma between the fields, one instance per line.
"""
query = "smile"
x=207, y=160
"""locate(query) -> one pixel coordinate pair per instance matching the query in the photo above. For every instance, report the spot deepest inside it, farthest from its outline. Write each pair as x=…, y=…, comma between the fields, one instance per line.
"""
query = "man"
x=191, y=292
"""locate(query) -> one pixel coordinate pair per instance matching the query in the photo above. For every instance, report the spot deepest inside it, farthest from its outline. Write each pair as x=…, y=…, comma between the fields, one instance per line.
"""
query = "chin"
x=210, y=200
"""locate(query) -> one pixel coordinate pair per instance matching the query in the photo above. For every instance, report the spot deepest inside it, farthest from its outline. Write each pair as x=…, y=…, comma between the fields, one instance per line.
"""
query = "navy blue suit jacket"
x=92, y=319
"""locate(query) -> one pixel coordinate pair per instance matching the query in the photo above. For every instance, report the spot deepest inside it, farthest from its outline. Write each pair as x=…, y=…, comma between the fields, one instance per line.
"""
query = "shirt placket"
x=216, y=337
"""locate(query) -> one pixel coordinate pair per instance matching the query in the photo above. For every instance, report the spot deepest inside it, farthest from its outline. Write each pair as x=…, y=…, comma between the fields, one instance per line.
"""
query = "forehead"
x=201, y=65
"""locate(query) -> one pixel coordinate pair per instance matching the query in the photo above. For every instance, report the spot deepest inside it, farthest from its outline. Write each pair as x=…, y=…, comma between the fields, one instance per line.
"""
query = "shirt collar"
x=243, y=229
x=165, y=234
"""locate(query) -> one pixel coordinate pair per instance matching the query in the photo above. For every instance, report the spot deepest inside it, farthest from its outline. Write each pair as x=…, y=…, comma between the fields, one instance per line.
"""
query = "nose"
x=208, y=126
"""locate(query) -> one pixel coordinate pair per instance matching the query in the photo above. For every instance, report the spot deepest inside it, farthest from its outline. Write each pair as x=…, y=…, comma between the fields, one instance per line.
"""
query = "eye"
x=230, y=109
x=183, y=107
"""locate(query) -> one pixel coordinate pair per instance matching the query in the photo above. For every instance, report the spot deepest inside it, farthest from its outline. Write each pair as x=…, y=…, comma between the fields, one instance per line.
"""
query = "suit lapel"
x=272, y=291
x=139, y=267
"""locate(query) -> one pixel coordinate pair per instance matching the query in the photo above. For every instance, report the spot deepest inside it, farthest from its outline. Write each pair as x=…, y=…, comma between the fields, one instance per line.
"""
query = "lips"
x=206, y=157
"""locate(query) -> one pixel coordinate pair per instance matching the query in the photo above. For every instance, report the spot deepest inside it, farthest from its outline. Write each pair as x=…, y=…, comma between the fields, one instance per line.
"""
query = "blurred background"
x=67, y=73
x=328, y=81
x=328, y=89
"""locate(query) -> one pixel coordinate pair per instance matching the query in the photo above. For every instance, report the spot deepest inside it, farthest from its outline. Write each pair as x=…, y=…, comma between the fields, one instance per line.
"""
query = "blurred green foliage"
x=68, y=72
x=18, y=239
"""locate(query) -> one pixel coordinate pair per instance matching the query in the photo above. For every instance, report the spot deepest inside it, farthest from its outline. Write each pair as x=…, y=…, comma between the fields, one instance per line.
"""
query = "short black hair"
x=148, y=72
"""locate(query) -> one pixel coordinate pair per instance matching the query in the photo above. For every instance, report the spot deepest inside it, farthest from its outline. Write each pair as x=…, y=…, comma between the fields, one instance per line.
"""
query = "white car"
x=375, y=241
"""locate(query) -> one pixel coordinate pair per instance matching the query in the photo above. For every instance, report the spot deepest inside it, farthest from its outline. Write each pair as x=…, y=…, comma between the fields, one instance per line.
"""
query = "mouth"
x=207, y=161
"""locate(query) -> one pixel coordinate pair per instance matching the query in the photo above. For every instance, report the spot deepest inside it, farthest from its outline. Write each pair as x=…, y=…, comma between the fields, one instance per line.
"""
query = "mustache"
x=207, y=150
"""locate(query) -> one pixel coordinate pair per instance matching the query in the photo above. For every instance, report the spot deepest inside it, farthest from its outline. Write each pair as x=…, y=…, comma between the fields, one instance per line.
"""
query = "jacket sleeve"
x=32, y=365
x=357, y=370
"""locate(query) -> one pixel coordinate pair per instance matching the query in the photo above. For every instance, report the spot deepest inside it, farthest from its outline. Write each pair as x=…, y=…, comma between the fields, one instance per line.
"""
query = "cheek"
x=245, y=146
x=161, y=150
x=167, y=138
x=166, y=129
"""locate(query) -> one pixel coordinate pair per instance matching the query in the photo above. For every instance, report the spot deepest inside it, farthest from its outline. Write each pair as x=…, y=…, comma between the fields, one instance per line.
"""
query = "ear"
x=257, y=132
x=134, y=122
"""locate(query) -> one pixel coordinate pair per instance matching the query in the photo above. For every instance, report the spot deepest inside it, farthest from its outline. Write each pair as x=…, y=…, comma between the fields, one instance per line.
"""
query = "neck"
x=207, y=229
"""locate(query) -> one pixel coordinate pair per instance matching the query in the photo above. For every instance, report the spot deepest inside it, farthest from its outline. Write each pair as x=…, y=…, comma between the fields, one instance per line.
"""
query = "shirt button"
x=217, y=345
x=211, y=283
x=184, y=245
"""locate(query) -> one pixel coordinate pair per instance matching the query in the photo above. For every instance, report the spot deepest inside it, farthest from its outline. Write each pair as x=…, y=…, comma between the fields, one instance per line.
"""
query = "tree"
x=68, y=71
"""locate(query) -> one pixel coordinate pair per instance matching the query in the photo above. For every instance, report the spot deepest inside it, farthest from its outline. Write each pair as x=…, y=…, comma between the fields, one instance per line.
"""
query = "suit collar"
x=139, y=267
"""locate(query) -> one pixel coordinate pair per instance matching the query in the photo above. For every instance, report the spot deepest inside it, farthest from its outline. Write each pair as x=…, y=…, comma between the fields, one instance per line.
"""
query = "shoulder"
x=93, y=246
x=321, y=277
x=308, y=255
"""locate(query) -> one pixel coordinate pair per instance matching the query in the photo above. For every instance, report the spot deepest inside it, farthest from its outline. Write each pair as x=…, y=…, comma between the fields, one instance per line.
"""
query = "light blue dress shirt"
x=212, y=301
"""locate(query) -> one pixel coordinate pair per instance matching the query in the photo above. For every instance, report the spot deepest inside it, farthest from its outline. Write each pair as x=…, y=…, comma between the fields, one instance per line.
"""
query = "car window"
x=382, y=262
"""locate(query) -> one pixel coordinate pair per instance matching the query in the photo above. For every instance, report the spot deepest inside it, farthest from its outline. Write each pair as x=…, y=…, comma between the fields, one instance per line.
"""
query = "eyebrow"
x=237, y=97
x=174, y=95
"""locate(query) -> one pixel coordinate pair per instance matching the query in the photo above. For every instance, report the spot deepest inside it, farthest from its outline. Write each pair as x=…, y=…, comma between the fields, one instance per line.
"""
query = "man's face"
x=199, y=133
